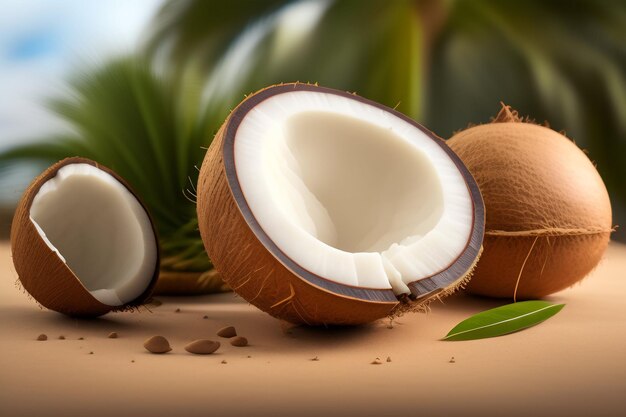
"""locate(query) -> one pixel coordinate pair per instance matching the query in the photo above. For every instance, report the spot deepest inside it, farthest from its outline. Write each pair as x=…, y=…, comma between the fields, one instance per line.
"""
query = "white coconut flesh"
x=351, y=192
x=99, y=229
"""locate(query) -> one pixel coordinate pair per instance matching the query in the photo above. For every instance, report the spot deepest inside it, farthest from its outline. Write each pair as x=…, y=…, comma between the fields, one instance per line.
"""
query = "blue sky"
x=41, y=41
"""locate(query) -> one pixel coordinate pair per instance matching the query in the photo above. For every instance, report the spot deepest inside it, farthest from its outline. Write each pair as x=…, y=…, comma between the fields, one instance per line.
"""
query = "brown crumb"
x=249, y=356
x=315, y=359
x=112, y=335
x=239, y=341
x=157, y=344
x=177, y=310
x=452, y=360
x=61, y=337
x=205, y=317
x=133, y=361
x=42, y=337
x=224, y=361
x=91, y=353
x=81, y=338
x=376, y=361
x=227, y=332
x=388, y=358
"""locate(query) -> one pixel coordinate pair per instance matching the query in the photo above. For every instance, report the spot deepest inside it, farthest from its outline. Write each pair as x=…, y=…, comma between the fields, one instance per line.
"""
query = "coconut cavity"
x=351, y=192
x=99, y=230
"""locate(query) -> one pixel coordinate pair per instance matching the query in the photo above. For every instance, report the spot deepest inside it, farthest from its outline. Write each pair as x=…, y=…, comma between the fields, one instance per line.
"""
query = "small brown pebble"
x=239, y=341
x=452, y=360
x=177, y=310
x=133, y=361
x=249, y=356
x=224, y=361
x=42, y=337
x=61, y=337
x=157, y=344
x=112, y=335
x=81, y=338
x=227, y=332
x=202, y=347
x=388, y=358
x=377, y=361
x=315, y=359
x=91, y=353
x=205, y=317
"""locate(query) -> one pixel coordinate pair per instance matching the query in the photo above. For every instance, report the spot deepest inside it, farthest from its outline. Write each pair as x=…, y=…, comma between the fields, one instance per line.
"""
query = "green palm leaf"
x=447, y=63
x=147, y=128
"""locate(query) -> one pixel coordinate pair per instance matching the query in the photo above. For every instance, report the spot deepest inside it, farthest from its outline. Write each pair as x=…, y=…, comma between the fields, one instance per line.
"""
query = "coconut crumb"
x=452, y=360
x=377, y=361
x=42, y=337
x=113, y=335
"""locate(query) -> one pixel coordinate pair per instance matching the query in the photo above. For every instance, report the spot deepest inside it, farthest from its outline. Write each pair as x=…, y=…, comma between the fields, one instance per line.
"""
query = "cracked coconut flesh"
x=99, y=229
x=350, y=192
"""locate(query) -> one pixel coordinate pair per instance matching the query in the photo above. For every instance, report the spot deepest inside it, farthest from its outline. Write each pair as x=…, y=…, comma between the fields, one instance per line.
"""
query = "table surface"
x=573, y=364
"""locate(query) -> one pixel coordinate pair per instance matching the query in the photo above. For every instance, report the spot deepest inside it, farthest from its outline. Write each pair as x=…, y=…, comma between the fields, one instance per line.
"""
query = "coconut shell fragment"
x=227, y=332
x=157, y=344
x=239, y=341
x=202, y=347
x=548, y=212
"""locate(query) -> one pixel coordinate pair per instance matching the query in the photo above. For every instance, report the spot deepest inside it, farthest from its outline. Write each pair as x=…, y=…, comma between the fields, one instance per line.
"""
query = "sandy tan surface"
x=571, y=365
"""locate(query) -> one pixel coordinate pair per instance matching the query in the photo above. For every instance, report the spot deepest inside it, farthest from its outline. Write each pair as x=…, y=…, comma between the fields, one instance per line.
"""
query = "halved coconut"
x=82, y=242
x=322, y=207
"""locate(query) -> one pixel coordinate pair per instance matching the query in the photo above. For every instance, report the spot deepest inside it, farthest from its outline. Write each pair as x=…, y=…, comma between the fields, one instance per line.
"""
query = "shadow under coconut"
x=261, y=329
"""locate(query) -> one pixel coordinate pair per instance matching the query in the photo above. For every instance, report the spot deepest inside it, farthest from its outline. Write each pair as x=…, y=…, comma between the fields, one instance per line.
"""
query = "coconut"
x=322, y=207
x=83, y=243
x=548, y=211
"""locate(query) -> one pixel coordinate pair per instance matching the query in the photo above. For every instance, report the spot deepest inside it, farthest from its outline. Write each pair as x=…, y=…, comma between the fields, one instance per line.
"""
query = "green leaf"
x=503, y=320
x=150, y=129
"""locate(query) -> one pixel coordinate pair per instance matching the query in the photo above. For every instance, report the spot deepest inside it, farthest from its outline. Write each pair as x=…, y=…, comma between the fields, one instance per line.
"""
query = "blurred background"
x=142, y=86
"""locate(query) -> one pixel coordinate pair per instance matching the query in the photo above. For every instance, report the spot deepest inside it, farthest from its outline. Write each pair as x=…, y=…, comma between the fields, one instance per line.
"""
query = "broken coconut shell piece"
x=239, y=341
x=157, y=344
x=227, y=332
x=83, y=243
x=322, y=207
x=202, y=347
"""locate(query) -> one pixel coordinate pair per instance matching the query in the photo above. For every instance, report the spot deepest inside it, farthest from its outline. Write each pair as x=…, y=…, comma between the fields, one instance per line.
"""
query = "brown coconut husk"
x=548, y=211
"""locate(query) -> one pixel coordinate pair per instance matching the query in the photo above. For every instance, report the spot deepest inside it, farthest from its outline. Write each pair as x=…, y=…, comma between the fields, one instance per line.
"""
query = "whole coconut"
x=548, y=211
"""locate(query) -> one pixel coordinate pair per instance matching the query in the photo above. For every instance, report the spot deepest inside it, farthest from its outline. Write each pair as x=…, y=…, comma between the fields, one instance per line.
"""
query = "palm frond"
x=148, y=130
x=566, y=65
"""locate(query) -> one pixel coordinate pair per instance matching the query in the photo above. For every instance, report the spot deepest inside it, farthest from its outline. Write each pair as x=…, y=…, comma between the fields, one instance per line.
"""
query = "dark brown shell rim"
x=421, y=288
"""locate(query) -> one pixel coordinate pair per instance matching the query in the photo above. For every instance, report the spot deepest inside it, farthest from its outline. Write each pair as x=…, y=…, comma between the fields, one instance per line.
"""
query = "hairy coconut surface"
x=548, y=211
x=49, y=278
x=259, y=270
